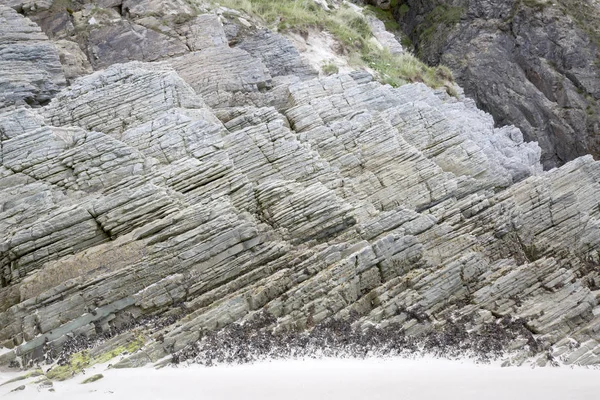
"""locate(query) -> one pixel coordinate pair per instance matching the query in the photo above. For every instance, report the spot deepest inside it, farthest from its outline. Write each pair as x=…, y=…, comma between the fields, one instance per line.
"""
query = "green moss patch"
x=92, y=378
x=441, y=17
x=82, y=360
x=77, y=363
x=28, y=375
x=129, y=348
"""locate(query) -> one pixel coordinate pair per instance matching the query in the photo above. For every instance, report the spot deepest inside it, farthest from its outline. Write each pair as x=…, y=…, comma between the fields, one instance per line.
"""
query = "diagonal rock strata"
x=204, y=192
x=31, y=70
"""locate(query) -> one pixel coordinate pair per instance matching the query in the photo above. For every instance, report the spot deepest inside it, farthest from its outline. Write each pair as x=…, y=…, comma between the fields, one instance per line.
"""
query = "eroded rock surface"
x=30, y=69
x=533, y=64
x=225, y=183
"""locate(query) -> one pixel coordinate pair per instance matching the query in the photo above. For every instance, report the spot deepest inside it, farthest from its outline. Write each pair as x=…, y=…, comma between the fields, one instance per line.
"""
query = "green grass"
x=446, y=15
x=351, y=30
x=329, y=68
x=397, y=70
x=403, y=10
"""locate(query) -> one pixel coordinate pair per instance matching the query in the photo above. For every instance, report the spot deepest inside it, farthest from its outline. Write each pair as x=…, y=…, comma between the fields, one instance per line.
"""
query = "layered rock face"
x=530, y=63
x=30, y=70
x=229, y=181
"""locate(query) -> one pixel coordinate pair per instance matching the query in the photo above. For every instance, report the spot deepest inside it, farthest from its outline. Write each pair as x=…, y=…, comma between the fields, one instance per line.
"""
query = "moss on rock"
x=79, y=361
x=92, y=378
x=28, y=375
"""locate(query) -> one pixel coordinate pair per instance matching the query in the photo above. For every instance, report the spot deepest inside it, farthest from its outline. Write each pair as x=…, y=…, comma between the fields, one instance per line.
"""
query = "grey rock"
x=201, y=190
x=73, y=59
x=385, y=38
x=90, y=101
x=202, y=32
x=53, y=16
x=28, y=5
x=261, y=205
x=529, y=64
x=224, y=77
x=124, y=41
x=19, y=121
x=31, y=71
x=278, y=55
x=137, y=8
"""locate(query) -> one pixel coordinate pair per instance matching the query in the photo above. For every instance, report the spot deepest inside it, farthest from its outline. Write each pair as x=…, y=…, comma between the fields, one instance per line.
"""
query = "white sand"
x=329, y=380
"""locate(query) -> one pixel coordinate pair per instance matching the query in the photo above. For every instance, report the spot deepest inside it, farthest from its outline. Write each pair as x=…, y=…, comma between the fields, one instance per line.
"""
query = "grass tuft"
x=352, y=31
x=329, y=68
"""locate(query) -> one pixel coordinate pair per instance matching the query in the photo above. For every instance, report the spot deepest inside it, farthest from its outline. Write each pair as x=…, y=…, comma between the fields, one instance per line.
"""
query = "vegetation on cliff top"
x=352, y=31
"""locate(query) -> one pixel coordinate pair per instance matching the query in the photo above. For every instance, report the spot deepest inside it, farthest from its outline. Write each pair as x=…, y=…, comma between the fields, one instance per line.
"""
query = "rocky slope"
x=232, y=181
x=531, y=63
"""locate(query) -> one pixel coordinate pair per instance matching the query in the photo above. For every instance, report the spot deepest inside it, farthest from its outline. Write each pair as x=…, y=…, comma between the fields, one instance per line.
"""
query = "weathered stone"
x=29, y=63
x=124, y=41
x=73, y=60
x=278, y=55
x=28, y=5
x=163, y=8
x=224, y=77
x=185, y=197
x=90, y=101
x=529, y=63
x=202, y=32
x=385, y=38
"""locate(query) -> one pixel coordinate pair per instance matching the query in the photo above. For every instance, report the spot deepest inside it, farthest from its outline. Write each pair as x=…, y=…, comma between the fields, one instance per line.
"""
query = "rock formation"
x=530, y=63
x=30, y=70
x=228, y=182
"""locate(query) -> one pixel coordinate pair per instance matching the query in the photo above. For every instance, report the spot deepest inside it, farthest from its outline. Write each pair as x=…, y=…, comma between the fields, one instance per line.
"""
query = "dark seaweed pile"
x=254, y=340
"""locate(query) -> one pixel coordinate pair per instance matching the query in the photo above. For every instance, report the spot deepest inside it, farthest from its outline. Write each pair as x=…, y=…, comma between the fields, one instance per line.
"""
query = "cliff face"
x=219, y=184
x=531, y=63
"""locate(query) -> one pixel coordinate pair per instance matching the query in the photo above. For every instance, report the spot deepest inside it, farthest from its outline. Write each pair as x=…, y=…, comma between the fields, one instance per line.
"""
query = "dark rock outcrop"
x=531, y=63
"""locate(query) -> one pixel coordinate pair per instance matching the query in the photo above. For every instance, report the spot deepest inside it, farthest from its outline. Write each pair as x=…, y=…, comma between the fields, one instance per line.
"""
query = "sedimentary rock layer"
x=30, y=70
x=227, y=182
